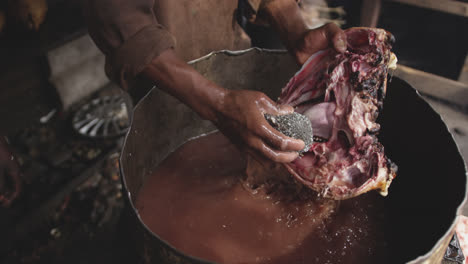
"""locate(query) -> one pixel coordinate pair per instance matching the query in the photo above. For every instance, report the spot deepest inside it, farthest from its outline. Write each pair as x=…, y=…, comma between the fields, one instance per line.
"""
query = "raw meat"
x=462, y=233
x=342, y=95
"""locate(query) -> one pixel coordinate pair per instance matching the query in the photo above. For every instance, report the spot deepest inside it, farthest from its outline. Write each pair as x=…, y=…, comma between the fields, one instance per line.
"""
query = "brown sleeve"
x=129, y=35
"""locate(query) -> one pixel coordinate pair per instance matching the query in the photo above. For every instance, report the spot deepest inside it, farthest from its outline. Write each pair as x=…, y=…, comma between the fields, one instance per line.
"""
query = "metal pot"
x=424, y=198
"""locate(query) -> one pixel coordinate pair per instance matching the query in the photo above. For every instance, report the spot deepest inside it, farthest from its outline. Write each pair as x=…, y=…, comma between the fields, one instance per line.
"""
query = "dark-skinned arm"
x=285, y=17
x=135, y=44
x=238, y=114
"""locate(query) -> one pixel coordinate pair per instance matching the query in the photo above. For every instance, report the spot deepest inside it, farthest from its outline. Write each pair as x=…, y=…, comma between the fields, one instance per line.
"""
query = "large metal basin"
x=424, y=198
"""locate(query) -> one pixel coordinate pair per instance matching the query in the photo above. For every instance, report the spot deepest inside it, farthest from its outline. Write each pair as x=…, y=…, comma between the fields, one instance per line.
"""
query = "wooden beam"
x=447, y=6
x=464, y=73
x=435, y=86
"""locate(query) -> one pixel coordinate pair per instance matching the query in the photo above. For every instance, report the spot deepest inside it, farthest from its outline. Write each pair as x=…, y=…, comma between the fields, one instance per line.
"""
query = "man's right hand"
x=10, y=181
x=238, y=114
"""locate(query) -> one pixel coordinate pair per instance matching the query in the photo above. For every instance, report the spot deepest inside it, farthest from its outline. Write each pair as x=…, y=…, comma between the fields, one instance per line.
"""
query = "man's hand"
x=286, y=18
x=238, y=114
x=10, y=182
x=329, y=35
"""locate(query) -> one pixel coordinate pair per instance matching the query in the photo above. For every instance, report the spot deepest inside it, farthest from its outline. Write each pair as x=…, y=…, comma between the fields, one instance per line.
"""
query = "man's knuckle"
x=276, y=159
x=278, y=142
x=252, y=142
x=261, y=130
x=268, y=154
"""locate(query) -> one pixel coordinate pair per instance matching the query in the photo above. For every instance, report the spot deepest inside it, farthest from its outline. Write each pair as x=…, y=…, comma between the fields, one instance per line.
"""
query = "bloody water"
x=195, y=200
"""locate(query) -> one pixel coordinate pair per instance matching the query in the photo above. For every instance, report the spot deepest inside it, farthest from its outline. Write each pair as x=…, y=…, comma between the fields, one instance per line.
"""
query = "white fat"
x=382, y=174
x=392, y=64
x=360, y=118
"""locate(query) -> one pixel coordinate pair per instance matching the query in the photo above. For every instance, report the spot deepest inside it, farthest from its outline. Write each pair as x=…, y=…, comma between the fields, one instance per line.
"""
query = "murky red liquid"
x=195, y=201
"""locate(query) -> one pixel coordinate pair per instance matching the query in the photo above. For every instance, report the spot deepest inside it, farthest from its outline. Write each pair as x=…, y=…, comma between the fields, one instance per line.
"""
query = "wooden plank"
x=435, y=86
x=464, y=73
x=448, y=6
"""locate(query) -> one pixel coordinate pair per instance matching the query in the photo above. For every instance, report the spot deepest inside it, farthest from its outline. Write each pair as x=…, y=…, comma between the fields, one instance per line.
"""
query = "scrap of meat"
x=342, y=95
x=462, y=232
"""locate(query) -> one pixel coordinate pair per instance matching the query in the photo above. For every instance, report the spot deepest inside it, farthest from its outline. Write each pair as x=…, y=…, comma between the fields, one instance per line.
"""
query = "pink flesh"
x=462, y=232
x=352, y=86
x=322, y=116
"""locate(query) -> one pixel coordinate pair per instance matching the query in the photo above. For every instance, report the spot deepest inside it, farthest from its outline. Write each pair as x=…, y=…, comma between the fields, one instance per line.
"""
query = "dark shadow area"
x=427, y=40
x=430, y=183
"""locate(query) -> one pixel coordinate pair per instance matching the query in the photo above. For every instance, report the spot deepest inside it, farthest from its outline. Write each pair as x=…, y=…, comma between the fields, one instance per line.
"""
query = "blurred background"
x=65, y=120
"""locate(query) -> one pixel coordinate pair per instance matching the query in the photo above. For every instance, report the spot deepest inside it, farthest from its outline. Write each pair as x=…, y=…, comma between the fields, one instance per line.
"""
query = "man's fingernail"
x=285, y=109
x=340, y=45
x=303, y=144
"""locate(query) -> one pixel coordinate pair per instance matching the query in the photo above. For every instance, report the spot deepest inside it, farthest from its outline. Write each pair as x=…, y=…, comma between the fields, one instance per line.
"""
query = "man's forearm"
x=179, y=79
x=285, y=17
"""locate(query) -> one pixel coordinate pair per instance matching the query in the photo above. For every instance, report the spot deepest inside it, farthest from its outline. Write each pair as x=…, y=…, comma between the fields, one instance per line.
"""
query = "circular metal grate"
x=105, y=116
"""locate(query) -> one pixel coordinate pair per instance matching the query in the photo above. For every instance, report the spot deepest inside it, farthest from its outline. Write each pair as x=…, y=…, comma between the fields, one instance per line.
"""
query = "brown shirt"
x=133, y=32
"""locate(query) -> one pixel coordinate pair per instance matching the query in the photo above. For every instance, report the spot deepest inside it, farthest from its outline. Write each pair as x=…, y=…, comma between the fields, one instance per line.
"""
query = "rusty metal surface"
x=422, y=204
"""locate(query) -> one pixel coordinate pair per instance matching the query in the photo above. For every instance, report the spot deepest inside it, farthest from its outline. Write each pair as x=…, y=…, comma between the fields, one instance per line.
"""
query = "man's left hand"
x=313, y=40
x=286, y=18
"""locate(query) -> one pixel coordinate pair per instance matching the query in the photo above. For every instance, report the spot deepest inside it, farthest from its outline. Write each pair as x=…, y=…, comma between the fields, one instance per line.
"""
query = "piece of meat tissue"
x=342, y=95
x=462, y=232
